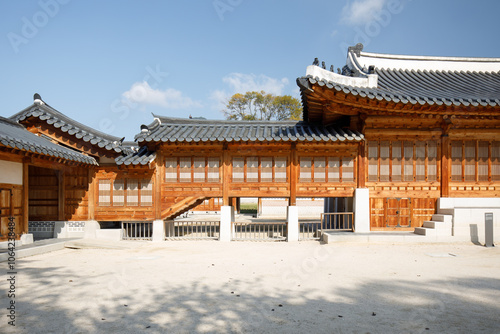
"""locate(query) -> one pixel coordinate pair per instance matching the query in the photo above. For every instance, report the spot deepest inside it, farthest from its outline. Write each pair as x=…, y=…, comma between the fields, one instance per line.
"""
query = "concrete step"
x=439, y=225
x=442, y=218
x=425, y=231
x=450, y=212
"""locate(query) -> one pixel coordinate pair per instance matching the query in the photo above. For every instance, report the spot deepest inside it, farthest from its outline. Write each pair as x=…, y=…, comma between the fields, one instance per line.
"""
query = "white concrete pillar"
x=292, y=218
x=26, y=239
x=60, y=230
x=91, y=226
x=226, y=218
x=361, y=209
x=158, y=230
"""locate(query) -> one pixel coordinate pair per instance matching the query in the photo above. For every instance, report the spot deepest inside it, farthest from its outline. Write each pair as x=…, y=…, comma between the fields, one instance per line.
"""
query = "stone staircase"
x=440, y=225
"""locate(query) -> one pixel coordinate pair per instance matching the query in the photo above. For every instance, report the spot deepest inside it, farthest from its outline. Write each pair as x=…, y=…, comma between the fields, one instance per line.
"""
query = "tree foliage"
x=254, y=106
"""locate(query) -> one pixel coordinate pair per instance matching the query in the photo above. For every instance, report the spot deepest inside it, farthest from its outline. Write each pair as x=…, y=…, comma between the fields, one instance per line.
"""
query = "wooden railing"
x=272, y=231
x=337, y=221
x=192, y=230
x=309, y=230
x=137, y=230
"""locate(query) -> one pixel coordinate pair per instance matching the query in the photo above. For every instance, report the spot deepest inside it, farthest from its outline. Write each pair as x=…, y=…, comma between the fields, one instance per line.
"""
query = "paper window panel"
x=185, y=169
x=432, y=160
x=171, y=170
x=482, y=161
x=495, y=161
x=146, y=192
x=456, y=161
x=396, y=161
x=280, y=169
x=252, y=169
x=104, y=192
x=238, y=164
x=420, y=161
x=408, y=161
x=348, y=169
x=118, y=193
x=132, y=192
x=333, y=169
x=372, y=161
x=213, y=169
x=266, y=169
x=305, y=169
x=470, y=161
x=384, y=161
x=199, y=169
x=319, y=169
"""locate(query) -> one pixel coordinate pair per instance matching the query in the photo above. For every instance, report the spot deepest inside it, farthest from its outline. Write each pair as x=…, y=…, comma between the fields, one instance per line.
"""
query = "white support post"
x=292, y=218
x=361, y=210
x=158, y=230
x=91, y=226
x=226, y=218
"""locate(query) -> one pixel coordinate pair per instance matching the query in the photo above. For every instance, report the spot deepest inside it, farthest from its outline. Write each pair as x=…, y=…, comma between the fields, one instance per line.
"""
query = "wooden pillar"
x=91, y=194
x=445, y=166
x=226, y=177
x=159, y=171
x=61, y=195
x=25, y=213
x=361, y=177
x=293, y=175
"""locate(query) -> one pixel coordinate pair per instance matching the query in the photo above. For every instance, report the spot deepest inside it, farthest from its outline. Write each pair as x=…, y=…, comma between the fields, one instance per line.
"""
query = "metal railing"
x=137, y=230
x=192, y=230
x=337, y=221
x=275, y=231
x=309, y=230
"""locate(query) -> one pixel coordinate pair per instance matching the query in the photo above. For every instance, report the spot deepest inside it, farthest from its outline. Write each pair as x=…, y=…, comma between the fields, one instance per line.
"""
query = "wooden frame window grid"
x=125, y=192
x=254, y=169
x=475, y=161
x=402, y=161
x=326, y=169
x=192, y=169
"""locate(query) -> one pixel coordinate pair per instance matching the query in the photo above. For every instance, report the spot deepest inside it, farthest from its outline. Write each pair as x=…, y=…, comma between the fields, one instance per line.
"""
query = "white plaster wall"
x=11, y=172
x=277, y=208
x=468, y=217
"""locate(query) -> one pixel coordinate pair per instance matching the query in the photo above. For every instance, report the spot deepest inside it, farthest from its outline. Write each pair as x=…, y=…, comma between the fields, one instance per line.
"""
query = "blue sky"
x=110, y=64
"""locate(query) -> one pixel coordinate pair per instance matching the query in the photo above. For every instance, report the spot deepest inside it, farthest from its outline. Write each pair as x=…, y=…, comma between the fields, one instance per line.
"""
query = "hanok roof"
x=51, y=116
x=166, y=129
x=409, y=80
x=16, y=136
x=142, y=157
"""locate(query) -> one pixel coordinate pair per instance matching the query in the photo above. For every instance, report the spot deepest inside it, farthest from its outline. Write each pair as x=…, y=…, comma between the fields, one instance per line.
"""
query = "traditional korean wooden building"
x=407, y=139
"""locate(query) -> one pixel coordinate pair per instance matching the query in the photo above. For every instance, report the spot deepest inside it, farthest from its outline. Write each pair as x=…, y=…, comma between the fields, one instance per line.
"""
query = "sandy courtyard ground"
x=244, y=287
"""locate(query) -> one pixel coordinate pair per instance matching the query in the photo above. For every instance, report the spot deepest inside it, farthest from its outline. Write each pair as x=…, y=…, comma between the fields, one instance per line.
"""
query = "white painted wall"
x=468, y=217
x=11, y=172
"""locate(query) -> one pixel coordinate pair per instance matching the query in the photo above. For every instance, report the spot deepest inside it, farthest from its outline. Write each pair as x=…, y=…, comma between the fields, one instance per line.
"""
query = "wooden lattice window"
x=259, y=169
x=118, y=192
x=238, y=169
x=348, y=169
x=456, y=161
x=213, y=169
x=171, y=170
x=420, y=161
x=199, y=169
x=146, y=192
x=384, y=161
x=132, y=192
x=373, y=161
x=185, y=169
x=280, y=169
x=495, y=161
x=333, y=169
x=474, y=160
x=192, y=169
x=397, y=159
x=408, y=161
x=432, y=160
x=267, y=169
x=305, y=169
x=104, y=190
x=252, y=169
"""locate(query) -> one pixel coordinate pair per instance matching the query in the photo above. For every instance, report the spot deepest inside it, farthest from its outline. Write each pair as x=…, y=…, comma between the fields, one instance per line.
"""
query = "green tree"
x=253, y=106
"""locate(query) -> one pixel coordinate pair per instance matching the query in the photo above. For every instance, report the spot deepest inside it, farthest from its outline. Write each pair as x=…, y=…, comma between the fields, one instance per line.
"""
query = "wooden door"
x=5, y=212
x=398, y=212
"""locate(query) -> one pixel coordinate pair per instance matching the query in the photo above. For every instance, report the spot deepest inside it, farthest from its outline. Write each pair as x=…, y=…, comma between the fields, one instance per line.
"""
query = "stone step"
x=439, y=225
x=450, y=212
x=442, y=218
x=425, y=231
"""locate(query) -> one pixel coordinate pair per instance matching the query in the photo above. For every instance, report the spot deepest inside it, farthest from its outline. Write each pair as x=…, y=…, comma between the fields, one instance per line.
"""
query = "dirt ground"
x=245, y=287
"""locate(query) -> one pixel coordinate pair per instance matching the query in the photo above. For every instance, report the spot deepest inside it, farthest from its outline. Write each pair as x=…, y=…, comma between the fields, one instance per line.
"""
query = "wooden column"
x=226, y=177
x=361, y=177
x=25, y=214
x=293, y=175
x=61, y=195
x=159, y=170
x=91, y=194
x=445, y=166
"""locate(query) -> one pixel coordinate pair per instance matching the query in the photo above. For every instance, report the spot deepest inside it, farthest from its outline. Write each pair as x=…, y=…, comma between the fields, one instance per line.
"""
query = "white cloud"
x=361, y=11
x=242, y=83
x=142, y=94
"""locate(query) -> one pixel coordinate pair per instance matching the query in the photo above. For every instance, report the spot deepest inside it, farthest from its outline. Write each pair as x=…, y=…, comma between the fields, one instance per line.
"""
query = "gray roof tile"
x=16, y=136
x=180, y=129
x=141, y=157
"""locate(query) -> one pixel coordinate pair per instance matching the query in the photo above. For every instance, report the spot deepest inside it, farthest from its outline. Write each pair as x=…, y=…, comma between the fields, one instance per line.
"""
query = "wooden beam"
x=25, y=197
x=445, y=166
x=293, y=175
x=91, y=180
x=361, y=165
x=61, y=195
x=159, y=172
x=226, y=177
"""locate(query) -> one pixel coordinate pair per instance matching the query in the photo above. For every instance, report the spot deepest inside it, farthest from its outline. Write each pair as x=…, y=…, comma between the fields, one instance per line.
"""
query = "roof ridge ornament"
x=356, y=49
x=37, y=99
